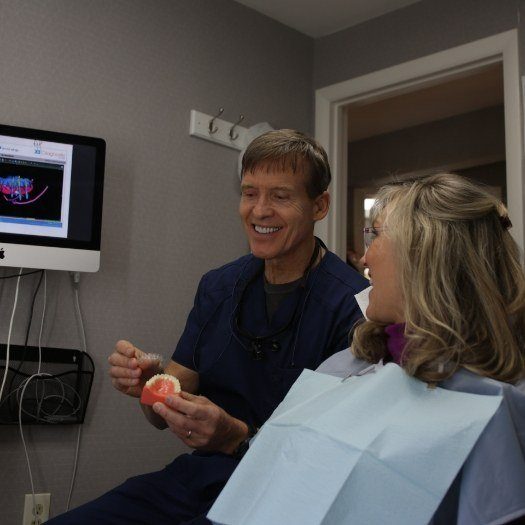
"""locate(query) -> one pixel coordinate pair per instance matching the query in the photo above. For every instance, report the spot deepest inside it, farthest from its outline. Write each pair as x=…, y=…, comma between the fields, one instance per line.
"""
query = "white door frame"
x=331, y=120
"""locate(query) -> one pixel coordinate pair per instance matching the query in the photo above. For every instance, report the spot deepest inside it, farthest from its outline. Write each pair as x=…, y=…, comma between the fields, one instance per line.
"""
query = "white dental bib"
x=372, y=449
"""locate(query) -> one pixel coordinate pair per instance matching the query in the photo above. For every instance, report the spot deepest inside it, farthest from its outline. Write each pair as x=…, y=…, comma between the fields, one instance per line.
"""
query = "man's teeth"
x=261, y=229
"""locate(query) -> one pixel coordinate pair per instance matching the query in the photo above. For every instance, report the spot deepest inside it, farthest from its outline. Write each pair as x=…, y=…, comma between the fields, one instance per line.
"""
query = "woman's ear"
x=321, y=206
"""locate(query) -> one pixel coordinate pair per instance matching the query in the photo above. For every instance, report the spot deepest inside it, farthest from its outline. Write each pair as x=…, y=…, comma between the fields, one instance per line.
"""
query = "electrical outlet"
x=39, y=514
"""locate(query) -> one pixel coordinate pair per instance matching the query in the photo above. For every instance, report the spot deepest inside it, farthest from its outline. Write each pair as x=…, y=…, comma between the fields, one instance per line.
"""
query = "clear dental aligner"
x=149, y=358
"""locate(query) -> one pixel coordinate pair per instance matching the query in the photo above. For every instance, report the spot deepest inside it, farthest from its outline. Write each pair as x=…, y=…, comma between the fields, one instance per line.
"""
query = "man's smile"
x=266, y=229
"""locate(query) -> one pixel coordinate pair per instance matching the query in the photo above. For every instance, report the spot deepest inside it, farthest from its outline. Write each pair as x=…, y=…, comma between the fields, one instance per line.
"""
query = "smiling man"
x=278, y=215
x=257, y=322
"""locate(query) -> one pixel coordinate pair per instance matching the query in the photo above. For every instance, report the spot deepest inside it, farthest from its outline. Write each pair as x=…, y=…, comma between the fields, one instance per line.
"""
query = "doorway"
x=424, y=73
x=455, y=126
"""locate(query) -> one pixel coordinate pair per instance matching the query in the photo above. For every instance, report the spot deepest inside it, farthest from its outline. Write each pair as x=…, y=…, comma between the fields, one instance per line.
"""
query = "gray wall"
x=466, y=140
x=474, y=139
x=130, y=71
x=418, y=30
x=415, y=31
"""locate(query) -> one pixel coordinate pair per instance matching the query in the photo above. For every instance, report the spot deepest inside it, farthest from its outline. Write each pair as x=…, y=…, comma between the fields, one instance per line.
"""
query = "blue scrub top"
x=317, y=319
x=314, y=322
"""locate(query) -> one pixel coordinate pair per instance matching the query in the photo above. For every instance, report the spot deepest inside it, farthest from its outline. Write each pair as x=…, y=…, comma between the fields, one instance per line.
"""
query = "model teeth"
x=166, y=377
x=262, y=229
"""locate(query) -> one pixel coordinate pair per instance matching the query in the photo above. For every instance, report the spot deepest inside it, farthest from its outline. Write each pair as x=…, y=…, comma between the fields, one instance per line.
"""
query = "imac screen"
x=50, y=199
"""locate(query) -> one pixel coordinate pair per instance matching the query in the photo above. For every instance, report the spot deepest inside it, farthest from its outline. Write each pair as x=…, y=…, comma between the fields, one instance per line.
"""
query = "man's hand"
x=129, y=371
x=201, y=424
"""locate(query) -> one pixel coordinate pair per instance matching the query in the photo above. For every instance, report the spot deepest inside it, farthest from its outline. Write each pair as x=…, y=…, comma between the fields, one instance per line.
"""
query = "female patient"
x=448, y=288
x=448, y=295
x=448, y=306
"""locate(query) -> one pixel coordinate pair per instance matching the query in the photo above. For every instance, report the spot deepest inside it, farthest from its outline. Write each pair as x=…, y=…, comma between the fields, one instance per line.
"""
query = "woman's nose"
x=366, y=270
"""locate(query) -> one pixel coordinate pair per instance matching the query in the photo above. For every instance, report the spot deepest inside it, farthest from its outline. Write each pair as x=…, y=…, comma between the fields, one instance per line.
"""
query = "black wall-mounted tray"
x=59, y=395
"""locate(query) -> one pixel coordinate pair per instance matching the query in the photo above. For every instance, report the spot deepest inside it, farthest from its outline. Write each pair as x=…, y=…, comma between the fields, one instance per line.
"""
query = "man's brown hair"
x=287, y=148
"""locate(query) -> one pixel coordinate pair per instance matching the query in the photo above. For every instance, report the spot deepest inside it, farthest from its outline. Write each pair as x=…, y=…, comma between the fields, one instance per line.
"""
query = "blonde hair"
x=461, y=278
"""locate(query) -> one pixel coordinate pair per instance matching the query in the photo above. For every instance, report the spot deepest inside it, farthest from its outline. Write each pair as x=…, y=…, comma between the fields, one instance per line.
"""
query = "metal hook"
x=236, y=136
x=211, y=129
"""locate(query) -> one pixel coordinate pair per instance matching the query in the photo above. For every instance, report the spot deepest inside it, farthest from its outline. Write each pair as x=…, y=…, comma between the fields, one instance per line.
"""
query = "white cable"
x=75, y=281
x=41, y=414
x=42, y=324
x=75, y=465
x=39, y=374
x=79, y=316
x=9, y=334
x=24, y=444
x=27, y=381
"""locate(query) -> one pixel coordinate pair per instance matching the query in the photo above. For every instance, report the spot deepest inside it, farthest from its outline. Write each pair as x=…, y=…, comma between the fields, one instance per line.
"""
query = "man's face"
x=277, y=213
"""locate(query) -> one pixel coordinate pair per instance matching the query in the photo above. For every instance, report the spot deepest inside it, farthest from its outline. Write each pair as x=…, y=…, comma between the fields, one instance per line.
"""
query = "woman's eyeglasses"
x=370, y=234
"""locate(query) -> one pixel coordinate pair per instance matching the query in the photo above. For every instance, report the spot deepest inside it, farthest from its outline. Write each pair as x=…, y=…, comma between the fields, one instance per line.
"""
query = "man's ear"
x=321, y=206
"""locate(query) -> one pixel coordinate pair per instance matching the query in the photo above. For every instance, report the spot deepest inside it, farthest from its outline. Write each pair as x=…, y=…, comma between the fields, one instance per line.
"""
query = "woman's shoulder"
x=497, y=455
x=342, y=364
x=465, y=381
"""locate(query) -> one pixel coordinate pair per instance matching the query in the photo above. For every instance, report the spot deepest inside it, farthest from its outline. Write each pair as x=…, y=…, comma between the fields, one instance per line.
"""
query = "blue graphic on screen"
x=17, y=190
x=31, y=192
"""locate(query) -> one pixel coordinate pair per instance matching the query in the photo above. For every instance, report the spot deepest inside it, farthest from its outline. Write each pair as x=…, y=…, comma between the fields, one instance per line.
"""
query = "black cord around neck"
x=256, y=341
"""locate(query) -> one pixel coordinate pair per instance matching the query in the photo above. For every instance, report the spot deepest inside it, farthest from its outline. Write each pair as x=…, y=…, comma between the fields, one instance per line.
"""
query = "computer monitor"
x=51, y=187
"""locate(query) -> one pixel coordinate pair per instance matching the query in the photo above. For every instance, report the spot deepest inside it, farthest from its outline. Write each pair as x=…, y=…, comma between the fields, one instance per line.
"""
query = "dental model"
x=158, y=388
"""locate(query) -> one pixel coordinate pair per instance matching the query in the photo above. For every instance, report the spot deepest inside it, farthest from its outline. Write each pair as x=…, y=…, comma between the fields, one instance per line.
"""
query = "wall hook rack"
x=211, y=128
x=233, y=135
x=214, y=129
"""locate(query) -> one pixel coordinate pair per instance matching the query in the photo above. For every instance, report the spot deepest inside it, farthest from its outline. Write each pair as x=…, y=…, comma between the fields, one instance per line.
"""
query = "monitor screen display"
x=51, y=187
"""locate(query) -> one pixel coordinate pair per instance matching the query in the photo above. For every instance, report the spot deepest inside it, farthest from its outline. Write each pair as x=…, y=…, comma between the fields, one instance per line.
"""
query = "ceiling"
x=318, y=18
x=480, y=89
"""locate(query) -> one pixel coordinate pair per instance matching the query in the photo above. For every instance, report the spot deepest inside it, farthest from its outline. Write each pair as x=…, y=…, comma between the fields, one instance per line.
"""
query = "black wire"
x=31, y=313
x=35, y=293
x=254, y=339
x=20, y=275
x=12, y=404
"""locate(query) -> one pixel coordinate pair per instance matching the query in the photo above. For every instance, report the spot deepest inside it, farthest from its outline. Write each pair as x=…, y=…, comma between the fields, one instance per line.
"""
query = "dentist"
x=256, y=323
